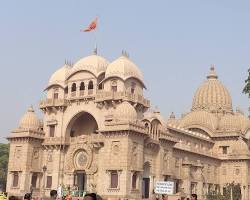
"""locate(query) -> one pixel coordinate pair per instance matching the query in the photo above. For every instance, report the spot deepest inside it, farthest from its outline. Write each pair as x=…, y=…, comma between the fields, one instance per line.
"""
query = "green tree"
x=228, y=190
x=4, y=157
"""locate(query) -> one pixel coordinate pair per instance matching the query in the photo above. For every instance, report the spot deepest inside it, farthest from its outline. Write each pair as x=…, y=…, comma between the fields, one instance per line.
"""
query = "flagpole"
x=95, y=35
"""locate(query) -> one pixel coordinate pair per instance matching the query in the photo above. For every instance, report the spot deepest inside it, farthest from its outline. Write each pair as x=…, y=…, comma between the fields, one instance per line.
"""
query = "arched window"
x=114, y=86
x=73, y=90
x=73, y=87
x=90, y=87
x=82, y=88
x=133, y=87
x=147, y=127
x=134, y=180
x=55, y=93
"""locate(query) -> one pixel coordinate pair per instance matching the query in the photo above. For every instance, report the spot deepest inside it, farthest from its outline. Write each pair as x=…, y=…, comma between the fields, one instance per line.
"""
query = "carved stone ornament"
x=79, y=157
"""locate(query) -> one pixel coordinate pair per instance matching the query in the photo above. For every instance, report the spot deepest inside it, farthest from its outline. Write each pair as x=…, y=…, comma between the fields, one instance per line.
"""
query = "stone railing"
x=55, y=141
x=107, y=95
x=52, y=102
x=190, y=148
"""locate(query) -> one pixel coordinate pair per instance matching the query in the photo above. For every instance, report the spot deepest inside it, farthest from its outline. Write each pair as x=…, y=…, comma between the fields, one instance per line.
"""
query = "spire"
x=172, y=116
x=125, y=54
x=30, y=109
x=212, y=74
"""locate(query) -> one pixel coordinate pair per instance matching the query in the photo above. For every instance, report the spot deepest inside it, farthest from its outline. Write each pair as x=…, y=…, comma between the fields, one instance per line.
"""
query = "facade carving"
x=99, y=135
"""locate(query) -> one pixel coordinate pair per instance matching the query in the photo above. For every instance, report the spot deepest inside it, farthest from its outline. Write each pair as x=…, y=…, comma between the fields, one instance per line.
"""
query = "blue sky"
x=173, y=43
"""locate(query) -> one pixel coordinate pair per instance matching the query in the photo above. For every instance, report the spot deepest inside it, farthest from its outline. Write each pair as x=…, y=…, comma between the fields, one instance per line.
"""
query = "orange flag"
x=92, y=26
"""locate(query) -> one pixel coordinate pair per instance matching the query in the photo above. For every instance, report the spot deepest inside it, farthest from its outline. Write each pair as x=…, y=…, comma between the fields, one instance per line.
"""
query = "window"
x=55, y=95
x=113, y=179
x=34, y=180
x=52, y=130
x=91, y=85
x=73, y=87
x=114, y=86
x=134, y=180
x=224, y=149
x=49, y=182
x=66, y=90
x=133, y=87
x=82, y=88
x=15, y=179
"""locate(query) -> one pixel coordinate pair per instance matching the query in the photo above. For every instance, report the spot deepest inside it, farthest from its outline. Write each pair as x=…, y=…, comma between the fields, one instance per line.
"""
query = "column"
x=199, y=181
x=186, y=167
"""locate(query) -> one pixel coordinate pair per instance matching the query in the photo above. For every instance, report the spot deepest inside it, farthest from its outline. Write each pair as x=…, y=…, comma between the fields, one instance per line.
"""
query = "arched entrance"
x=146, y=181
x=82, y=124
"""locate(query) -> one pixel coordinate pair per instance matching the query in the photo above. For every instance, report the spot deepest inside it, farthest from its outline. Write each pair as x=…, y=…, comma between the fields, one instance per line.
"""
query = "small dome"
x=59, y=76
x=125, y=111
x=199, y=119
x=94, y=64
x=212, y=96
x=123, y=68
x=234, y=123
x=30, y=120
x=150, y=116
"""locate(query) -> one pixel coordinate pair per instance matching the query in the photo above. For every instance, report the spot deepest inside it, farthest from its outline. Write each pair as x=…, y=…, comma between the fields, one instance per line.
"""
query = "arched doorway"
x=82, y=124
x=146, y=181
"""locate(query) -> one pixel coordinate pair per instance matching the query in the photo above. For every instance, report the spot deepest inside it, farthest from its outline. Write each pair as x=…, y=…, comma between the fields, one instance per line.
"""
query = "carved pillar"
x=186, y=167
x=199, y=168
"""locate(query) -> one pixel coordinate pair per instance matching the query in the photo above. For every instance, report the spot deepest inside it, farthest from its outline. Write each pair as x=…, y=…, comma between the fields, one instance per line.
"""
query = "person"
x=155, y=196
x=12, y=198
x=193, y=196
x=28, y=196
x=187, y=198
x=59, y=191
x=53, y=194
x=68, y=196
x=90, y=196
x=164, y=197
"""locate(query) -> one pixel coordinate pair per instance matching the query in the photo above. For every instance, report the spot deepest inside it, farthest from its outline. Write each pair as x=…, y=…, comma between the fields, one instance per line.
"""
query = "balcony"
x=127, y=96
x=55, y=141
x=52, y=103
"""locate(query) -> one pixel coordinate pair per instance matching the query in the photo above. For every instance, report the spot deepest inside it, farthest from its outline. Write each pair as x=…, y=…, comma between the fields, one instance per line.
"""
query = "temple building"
x=99, y=134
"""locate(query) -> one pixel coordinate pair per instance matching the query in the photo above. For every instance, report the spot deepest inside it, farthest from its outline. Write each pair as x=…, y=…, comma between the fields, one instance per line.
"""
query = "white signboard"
x=164, y=187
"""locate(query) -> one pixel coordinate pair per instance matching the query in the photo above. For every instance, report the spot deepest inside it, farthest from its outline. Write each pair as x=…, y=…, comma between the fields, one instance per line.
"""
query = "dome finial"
x=212, y=74
x=125, y=54
x=31, y=109
x=172, y=115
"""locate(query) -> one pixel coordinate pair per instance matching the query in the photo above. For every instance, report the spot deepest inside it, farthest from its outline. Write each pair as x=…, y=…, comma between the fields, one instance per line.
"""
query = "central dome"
x=94, y=64
x=212, y=96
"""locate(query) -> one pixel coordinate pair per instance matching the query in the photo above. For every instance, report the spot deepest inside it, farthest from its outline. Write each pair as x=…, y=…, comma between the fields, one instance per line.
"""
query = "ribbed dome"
x=199, y=119
x=94, y=64
x=59, y=76
x=155, y=115
x=212, y=95
x=234, y=123
x=125, y=111
x=123, y=68
x=30, y=120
